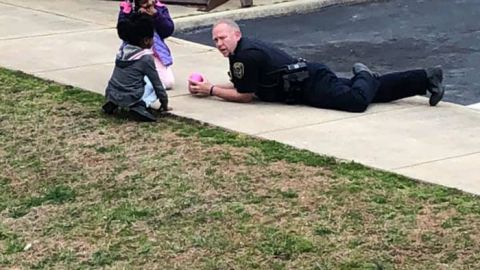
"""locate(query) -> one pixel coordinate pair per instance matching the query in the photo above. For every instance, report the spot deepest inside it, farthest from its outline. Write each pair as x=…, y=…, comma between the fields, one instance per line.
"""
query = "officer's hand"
x=191, y=88
x=199, y=88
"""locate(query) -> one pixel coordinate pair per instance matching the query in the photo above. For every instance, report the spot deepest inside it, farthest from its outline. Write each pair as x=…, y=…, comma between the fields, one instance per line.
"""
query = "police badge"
x=238, y=70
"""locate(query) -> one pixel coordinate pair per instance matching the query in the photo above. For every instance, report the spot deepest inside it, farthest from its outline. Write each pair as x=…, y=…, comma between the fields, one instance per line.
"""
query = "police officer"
x=260, y=70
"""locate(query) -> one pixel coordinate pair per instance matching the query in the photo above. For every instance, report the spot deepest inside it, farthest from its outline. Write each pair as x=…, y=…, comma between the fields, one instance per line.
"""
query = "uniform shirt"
x=250, y=65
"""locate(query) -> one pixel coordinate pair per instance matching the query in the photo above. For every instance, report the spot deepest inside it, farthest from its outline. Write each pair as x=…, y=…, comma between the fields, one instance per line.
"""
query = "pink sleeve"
x=126, y=7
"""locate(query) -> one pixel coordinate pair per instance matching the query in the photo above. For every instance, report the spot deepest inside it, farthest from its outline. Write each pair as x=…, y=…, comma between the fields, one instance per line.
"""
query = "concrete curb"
x=299, y=6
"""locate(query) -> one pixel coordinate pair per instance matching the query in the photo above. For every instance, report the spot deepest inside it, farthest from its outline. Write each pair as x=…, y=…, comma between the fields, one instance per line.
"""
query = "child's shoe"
x=109, y=107
x=140, y=113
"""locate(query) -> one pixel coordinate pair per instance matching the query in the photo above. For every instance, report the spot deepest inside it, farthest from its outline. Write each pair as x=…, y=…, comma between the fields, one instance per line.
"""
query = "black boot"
x=359, y=67
x=435, y=87
x=140, y=113
x=109, y=107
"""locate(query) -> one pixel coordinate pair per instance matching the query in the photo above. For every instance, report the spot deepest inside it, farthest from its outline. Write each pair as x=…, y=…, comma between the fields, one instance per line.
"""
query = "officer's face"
x=226, y=38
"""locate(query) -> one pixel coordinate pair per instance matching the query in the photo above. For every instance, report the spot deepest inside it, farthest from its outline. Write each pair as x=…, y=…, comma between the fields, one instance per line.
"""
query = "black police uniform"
x=253, y=63
x=251, y=66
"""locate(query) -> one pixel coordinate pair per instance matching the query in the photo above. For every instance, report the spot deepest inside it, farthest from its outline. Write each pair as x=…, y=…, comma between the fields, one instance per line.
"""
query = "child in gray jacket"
x=134, y=61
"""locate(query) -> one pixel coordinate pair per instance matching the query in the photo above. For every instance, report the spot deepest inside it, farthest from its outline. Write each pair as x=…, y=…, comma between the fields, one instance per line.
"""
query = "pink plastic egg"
x=196, y=77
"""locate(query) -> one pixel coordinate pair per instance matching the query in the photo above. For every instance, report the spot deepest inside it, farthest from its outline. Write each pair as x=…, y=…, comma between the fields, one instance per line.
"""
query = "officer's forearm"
x=226, y=86
x=231, y=94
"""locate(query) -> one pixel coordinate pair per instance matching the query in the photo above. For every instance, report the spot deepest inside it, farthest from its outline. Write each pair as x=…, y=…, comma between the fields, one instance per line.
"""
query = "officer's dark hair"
x=135, y=29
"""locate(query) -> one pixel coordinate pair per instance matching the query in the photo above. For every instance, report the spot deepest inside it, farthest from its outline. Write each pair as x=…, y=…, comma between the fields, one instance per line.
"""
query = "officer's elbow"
x=244, y=98
x=247, y=99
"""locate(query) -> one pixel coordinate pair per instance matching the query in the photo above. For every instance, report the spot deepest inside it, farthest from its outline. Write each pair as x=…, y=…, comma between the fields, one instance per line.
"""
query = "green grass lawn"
x=79, y=189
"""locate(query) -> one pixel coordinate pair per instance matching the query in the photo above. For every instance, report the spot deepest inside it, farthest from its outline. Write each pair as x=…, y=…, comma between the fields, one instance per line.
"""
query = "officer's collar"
x=239, y=46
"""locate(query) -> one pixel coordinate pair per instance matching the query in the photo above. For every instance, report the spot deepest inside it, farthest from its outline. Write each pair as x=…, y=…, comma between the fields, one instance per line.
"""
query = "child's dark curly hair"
x=137, y=5
x=136, y=28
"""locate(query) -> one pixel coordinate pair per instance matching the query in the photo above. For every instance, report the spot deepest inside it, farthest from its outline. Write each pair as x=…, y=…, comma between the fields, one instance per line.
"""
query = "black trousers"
x=325, y=90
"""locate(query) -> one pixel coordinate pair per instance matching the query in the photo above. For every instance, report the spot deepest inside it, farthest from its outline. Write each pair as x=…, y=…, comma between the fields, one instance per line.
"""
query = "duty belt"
x=293, y=76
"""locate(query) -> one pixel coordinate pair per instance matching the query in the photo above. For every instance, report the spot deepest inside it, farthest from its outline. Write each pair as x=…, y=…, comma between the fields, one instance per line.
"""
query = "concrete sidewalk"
x=74, y=42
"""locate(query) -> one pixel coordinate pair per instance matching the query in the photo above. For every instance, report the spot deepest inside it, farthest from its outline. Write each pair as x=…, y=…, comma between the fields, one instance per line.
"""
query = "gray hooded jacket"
x=127, y=85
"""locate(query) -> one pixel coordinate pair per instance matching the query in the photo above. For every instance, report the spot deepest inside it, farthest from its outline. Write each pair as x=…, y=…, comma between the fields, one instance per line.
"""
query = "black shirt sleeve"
x=245, y=70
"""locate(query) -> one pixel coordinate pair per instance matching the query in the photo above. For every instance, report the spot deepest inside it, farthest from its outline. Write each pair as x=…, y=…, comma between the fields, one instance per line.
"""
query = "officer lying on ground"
x=262, y=71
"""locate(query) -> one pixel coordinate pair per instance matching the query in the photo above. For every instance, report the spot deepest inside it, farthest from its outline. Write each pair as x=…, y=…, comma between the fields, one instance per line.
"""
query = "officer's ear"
x=238, y=34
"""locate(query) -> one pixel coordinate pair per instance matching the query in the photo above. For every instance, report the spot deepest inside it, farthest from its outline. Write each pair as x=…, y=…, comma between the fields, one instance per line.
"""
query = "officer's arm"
x=245, y=77
x=226, y=92
x=231, y=94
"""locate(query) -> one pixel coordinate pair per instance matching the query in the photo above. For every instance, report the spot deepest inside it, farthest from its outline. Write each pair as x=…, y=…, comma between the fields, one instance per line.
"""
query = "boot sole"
x=435, y=99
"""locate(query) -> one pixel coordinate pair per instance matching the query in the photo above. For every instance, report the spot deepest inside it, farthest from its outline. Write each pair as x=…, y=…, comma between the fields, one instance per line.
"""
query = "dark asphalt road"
x=387, y=36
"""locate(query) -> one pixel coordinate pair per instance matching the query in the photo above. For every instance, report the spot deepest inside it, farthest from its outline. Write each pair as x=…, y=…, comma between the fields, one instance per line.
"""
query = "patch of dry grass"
x=81, y=190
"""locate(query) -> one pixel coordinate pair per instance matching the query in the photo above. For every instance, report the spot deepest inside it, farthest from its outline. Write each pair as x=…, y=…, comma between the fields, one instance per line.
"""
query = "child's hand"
x=165, y=108
x=148, y=8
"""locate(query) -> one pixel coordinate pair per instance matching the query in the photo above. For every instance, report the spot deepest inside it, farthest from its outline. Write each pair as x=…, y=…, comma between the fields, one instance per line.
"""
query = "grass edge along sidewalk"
x=79, y=189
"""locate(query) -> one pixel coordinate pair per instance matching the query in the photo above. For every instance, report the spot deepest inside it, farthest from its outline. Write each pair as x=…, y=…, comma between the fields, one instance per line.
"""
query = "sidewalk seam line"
x=68, y=68
x=435, y=160
x=331, y=121
x=58, y=33
x=51, y=13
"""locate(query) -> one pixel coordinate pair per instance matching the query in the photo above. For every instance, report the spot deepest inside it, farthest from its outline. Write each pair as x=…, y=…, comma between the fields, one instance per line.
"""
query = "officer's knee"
x=353, y=103
x=357, y=108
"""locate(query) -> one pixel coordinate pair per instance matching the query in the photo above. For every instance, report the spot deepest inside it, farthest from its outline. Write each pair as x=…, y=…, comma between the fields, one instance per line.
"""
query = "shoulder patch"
x=238, y=70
